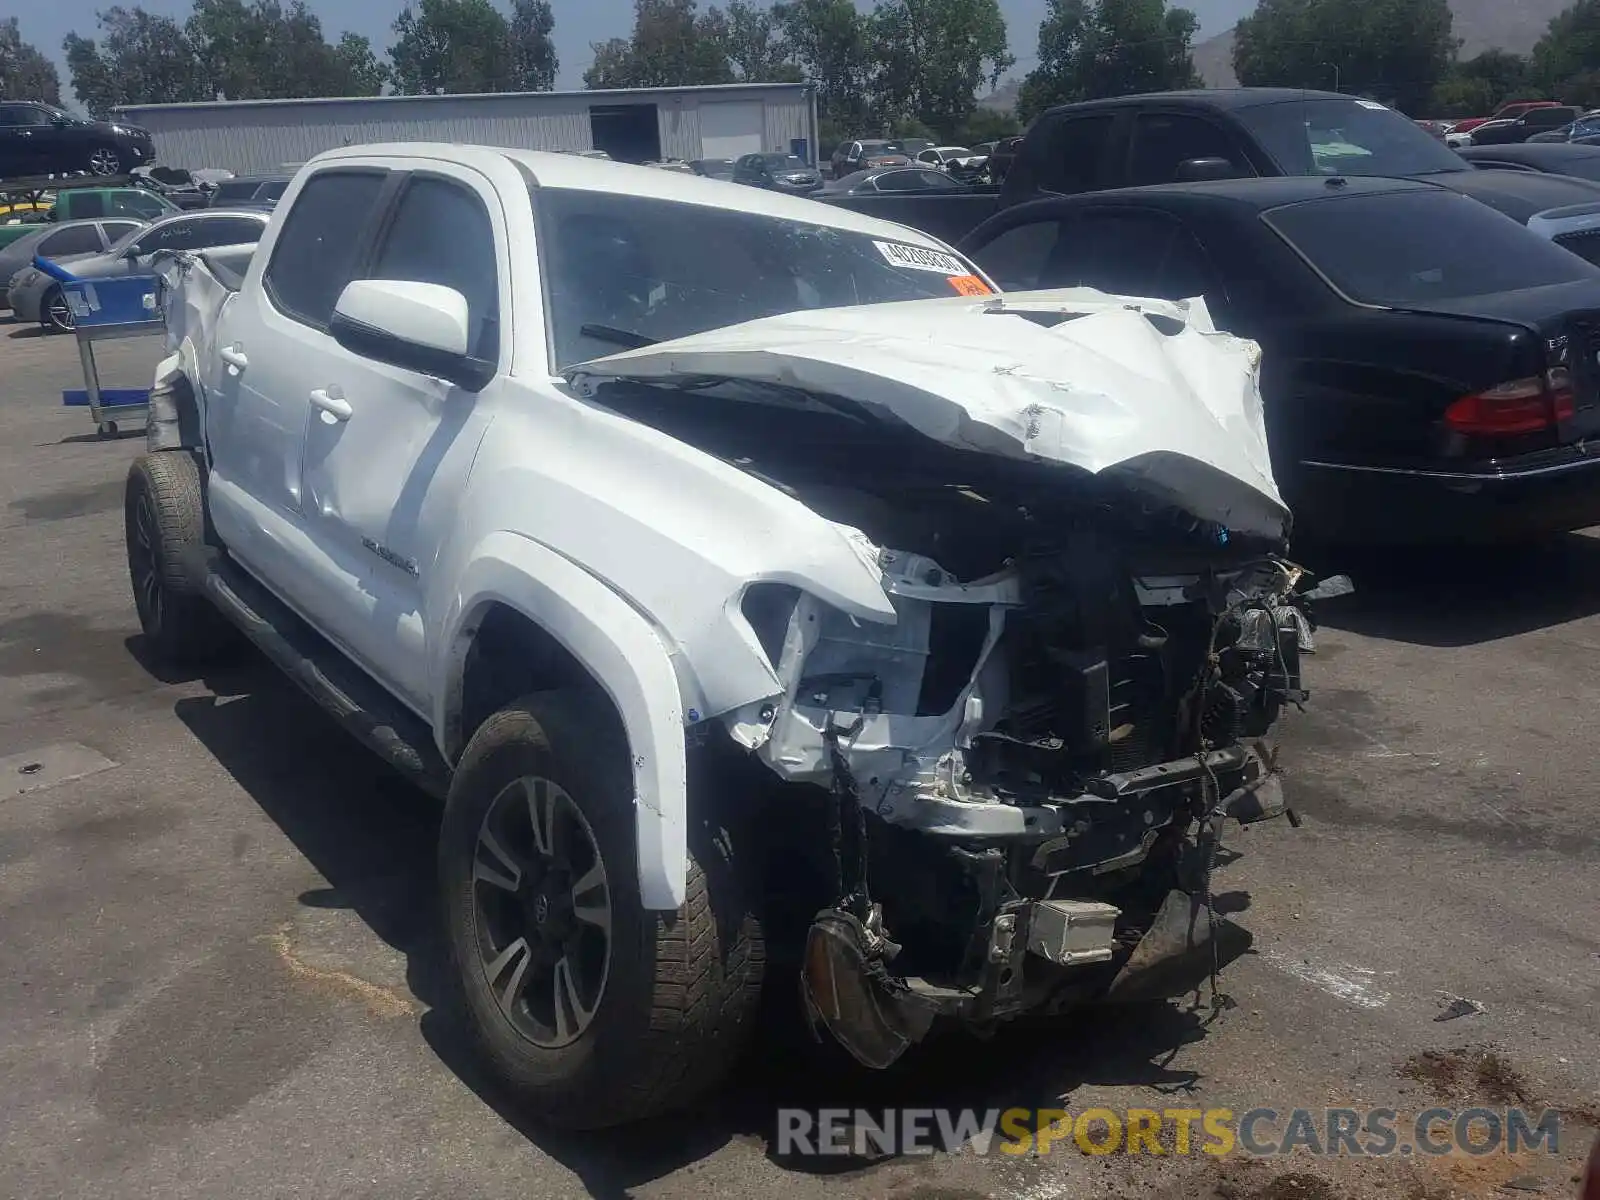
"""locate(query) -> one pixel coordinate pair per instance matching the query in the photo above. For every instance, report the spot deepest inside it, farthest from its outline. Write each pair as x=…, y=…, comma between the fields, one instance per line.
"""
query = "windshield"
x=625, y=271
x=784, y=162
x=1408, y=248
x=1345, y=137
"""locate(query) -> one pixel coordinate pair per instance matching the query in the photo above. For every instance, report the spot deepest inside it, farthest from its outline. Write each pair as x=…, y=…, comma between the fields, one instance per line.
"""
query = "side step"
x=358, y=703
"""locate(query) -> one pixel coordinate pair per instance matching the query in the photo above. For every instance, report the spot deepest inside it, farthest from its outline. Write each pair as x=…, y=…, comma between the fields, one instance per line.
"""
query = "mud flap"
x=847, y=990
x=1176, y=956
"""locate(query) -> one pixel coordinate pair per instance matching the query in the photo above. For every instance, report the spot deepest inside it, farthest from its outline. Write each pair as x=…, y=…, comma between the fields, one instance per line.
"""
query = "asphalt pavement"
x=220, y=972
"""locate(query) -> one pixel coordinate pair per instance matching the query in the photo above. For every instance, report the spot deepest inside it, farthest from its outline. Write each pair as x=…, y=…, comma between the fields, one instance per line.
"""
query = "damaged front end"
x=1068, y=505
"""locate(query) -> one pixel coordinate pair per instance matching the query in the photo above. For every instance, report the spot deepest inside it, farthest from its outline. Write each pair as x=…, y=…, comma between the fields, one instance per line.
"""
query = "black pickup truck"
x=1225, y=133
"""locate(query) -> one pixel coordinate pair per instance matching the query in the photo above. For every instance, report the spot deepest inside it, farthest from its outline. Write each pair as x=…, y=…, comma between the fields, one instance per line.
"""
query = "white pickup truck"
x=761, y=591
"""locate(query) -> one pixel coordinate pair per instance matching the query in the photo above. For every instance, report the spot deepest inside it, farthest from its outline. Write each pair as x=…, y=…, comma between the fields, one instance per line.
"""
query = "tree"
x=25, y=73
x=452, y=46
x=533, y=51
x=827, y=39
x=1093, y=48
x=264, y=51
x=1394, y=50
x=362, y=67
x=932, y=56
x=987, y=125
x=1564, y=60
x=755, y=47
x=141, y=59
x=673, y=45
x=1479, y=85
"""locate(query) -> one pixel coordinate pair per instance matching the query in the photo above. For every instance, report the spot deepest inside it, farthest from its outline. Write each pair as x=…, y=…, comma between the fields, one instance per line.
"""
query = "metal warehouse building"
x=635, y=125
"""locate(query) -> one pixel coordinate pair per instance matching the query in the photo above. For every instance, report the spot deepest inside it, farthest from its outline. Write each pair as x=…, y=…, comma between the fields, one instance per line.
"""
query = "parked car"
x=60, y=241
x=1168, y=137
x=254, y=191
x=19, y=220
x=1508, y=111
x=779, y=172
x=649, y=674
x=175, y=185
x=957, y=160
x=713, y=168
x=1002, y=156
x=1428, y=365
x=893, y=179
x=36, y=296
x=864, y=155
x=1542, y=119
x=78, y=203
x=671, y=164
x=40, y=139
x=1545, y=158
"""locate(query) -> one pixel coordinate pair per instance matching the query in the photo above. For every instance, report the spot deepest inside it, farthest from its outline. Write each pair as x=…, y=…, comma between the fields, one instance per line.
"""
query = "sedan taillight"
x=1520, y=406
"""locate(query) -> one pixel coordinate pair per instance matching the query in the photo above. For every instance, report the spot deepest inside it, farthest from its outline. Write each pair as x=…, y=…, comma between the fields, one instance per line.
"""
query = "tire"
x=677, y=993
x=54, y=314
x=164, y=516
x=104, y=160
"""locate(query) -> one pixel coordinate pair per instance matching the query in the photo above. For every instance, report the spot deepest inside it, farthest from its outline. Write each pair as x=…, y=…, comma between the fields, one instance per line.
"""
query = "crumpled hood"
x=1177, y=408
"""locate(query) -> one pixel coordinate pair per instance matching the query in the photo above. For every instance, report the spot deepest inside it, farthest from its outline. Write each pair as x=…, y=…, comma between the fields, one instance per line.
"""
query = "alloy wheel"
x=57, y=312
x=542, y=911
x=142, y=564
x=104, y=161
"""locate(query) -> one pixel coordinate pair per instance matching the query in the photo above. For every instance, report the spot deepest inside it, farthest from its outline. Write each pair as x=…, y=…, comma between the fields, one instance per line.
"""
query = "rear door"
x=24, y=139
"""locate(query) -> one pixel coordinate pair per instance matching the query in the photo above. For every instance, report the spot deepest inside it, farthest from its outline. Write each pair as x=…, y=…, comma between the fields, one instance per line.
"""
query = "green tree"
x=25, y=73
x=827, y=39
x=140, y=59
x=1093, y=48
x=1476, y=86
x=1394, y=50
x=931, y=56
x=265, y=51
x=534, y=61
x=988, y=125
x=755, y=47
x=452, y=46
x=366, y=72
x=673, y=45
x=1564, y=61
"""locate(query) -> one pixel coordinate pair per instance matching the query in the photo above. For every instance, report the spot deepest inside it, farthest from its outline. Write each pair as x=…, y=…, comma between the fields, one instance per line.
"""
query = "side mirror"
x=422, y=327
x=1197, y=170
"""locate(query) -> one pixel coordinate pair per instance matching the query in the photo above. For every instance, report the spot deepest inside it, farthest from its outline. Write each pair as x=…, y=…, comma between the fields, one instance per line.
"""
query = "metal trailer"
x=106, y=310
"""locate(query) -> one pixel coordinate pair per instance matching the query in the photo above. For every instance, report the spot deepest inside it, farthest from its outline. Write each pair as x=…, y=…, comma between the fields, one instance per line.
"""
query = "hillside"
x=1481, y=25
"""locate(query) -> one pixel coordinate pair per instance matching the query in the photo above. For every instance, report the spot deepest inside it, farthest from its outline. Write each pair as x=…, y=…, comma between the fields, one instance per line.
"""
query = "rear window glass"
x=1345, y=137
x=1412, y=247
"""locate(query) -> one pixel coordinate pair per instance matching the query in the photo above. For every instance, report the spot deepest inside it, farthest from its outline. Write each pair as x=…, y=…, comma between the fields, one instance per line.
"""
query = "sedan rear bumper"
x=1346, y=502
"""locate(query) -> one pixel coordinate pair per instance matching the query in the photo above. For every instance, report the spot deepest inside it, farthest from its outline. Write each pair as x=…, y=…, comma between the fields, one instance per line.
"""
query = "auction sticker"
x=915, y=258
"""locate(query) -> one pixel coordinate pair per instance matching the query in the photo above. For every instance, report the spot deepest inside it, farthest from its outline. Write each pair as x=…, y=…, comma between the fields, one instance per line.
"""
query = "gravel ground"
x=220, y=975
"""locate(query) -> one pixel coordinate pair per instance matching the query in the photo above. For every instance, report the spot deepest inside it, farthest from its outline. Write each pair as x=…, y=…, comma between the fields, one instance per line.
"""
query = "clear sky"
x=578, y=23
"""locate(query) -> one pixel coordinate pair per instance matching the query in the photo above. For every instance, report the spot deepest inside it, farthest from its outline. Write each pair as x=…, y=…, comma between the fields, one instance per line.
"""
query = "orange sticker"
x=968, y=285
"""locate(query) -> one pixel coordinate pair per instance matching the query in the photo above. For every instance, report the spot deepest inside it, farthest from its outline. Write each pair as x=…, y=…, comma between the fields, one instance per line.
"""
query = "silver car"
x=36, y=296
x=69, y=239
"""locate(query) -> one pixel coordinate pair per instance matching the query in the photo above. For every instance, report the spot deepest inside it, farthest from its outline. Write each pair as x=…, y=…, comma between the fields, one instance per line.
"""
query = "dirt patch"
x=1470, y=1073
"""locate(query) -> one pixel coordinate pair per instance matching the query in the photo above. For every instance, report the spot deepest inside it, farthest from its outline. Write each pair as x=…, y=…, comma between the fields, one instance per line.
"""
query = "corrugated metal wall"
x=247, y=136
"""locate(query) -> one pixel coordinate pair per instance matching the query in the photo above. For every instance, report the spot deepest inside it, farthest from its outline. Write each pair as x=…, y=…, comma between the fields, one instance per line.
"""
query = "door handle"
x=234, y=357
x=335, y=406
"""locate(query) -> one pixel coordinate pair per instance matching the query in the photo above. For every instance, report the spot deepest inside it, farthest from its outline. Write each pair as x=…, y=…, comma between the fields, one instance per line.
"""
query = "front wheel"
x=104, y=160
x=598, y=1011
x=55, y=314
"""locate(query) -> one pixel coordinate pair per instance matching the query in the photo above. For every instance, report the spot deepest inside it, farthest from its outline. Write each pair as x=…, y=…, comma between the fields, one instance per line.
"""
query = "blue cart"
x=105, y=310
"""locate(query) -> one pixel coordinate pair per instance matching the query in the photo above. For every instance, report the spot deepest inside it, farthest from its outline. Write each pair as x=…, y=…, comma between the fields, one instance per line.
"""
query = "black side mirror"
x=1197, y=170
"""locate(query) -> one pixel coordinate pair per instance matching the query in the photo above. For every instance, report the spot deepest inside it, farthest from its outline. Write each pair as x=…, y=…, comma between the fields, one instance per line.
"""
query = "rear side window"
x=233, y=191
x=87, y=204
x=79, y=239
x=1015, y=260
x=1412, y=247
x=136, y=204
x=1073, y=152
x=118, y=229
x=316, y=251
x=1162, y=141
x=441, y=234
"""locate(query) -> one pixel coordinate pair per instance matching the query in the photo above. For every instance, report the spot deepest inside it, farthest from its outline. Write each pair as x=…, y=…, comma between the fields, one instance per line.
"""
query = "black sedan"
x=1429, y=368
x=1546, y=158
x=894, y=179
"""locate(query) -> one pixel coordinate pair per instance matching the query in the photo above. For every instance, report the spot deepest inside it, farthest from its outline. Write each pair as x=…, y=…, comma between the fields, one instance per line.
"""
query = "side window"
x=22, y=114
x=116, y=230
x=136, y=204
x=900, y=181
x=77, y=239
x=10, y=114
x=228, y=231
x=1015, y=260
x=441, y=233
x=1073, y=152
x=1187, y=272
x=88, y=204
x=317, y=247
x=177, y=235
x=1161, y=141
x=1118, y=252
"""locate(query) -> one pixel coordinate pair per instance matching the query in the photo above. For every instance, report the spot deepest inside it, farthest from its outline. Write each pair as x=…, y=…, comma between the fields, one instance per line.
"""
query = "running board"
x=349, y=695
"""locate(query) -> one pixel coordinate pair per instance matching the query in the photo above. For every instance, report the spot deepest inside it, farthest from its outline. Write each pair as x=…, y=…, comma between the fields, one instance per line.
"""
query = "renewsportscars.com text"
x=1257, y=1132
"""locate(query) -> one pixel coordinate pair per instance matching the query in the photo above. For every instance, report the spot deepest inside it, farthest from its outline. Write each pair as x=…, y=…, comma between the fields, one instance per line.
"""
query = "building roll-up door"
x=729, y=128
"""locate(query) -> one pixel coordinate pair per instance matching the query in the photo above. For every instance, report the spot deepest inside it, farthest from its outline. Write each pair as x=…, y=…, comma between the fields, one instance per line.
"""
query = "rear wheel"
x=597, y=1010
x=164, y=514
x=104, y=160
x=55, y=314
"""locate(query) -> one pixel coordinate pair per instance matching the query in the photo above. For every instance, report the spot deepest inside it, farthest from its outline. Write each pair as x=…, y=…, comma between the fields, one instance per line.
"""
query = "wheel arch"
x=175, y=417
x=524, y=617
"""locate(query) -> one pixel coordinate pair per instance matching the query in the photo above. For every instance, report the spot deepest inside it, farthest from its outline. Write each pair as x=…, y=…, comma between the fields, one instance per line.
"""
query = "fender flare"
x=622, y=651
